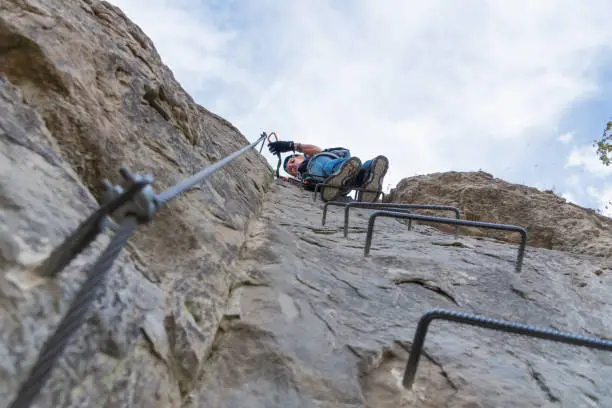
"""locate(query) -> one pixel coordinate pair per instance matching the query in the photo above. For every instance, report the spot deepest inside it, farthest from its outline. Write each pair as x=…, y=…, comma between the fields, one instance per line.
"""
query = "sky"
x=519, y=89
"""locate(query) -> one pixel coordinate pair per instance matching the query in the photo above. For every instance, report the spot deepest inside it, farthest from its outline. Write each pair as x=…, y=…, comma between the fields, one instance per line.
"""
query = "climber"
x=335, y=167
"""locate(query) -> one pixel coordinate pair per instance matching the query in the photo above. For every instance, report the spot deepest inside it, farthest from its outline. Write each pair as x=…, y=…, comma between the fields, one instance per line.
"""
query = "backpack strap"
x=340, y=152
x=310, y=180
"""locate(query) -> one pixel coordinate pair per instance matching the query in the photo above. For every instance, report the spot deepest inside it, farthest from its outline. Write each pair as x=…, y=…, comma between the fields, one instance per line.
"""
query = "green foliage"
x=604, y=153
x=604, y=145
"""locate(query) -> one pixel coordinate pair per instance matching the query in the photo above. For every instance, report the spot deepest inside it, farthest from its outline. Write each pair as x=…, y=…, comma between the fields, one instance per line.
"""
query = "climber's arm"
x=307, y=149
x=281, y=146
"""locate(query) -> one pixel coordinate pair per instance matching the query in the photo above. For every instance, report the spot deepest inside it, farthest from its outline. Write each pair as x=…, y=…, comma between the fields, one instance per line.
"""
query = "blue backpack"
x=311, y=180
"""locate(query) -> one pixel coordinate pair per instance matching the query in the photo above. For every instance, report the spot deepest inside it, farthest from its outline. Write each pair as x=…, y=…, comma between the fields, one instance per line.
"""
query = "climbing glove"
x=281, y=147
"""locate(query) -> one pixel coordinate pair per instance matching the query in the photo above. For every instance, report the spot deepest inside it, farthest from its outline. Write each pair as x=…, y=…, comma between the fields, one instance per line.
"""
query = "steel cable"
x=85, y=234
x=87, y=231
x=139, y=205
x=75, y=316
x=186, y=184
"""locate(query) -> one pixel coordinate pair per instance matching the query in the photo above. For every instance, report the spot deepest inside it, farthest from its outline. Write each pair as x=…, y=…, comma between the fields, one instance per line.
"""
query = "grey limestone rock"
x=235, y=295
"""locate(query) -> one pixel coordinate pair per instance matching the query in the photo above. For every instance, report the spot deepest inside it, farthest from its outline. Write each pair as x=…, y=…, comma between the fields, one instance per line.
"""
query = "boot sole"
x=346, y=174
x=379, y=170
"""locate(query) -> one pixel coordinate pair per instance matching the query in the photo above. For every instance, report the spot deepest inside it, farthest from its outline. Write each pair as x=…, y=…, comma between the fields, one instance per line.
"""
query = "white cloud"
x=433, y=85
x=586, y=158
x=602, y=197
x=573, y=181
x=565, y=138
x=570, y=198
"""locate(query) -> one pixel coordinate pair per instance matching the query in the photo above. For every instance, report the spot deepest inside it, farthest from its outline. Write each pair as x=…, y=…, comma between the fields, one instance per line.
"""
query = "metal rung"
x=392, y=206
x=494, y=324
x=521, y=230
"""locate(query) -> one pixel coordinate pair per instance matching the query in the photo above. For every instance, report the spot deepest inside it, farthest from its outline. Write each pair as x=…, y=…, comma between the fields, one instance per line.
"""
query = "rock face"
x=235, y=294
x=315, y=324
x=550, y=221
x=84, y=92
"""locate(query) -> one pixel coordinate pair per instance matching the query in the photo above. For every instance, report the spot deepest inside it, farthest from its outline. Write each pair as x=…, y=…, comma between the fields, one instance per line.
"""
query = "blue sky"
x=519, y=89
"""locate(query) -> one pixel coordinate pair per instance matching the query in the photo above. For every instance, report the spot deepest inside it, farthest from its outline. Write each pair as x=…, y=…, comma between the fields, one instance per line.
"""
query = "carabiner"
x=272, y=134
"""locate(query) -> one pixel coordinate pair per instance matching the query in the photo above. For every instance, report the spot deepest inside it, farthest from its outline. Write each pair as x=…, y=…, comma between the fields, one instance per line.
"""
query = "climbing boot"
x=373, y=179
x=343, y=177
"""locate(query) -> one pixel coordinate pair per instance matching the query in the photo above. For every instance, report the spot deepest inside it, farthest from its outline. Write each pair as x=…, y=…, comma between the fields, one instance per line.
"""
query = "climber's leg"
x=343, y=175
x=370, y=177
